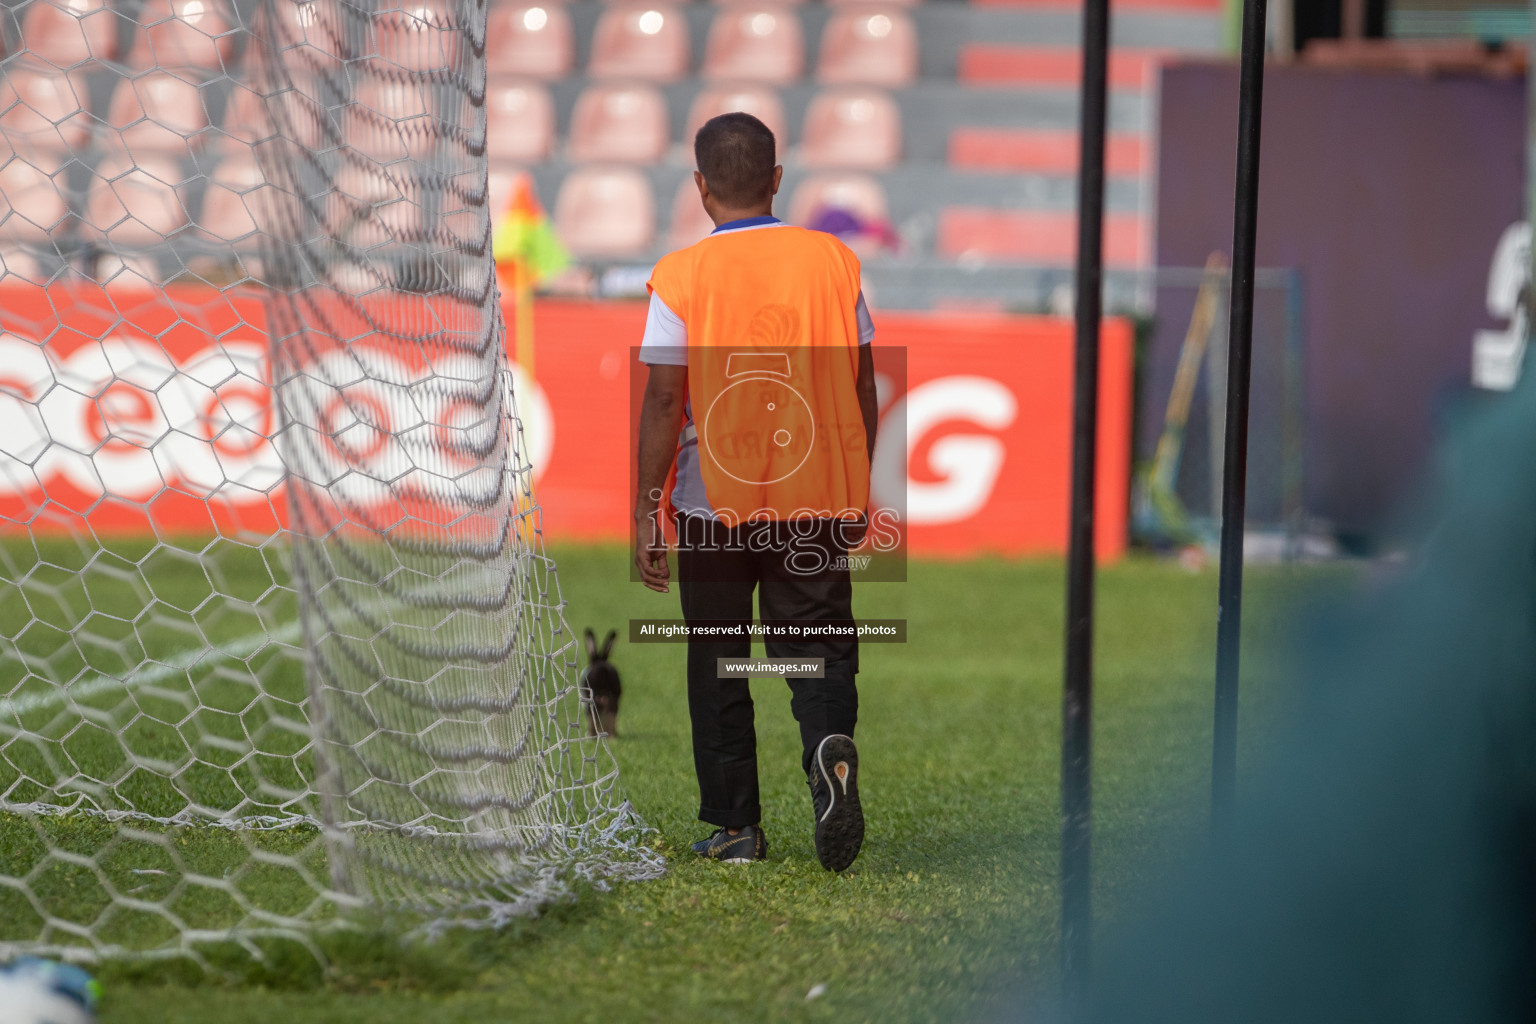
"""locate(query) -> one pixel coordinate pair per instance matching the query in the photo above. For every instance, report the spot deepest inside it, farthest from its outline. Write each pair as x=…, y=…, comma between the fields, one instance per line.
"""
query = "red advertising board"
x=136, y=410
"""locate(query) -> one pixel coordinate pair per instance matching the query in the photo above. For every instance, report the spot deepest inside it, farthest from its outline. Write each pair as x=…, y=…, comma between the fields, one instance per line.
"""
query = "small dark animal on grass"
x=601, y=680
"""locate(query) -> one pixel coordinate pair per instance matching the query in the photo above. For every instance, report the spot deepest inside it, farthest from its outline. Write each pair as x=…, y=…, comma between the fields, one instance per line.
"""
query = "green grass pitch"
x=952, y=902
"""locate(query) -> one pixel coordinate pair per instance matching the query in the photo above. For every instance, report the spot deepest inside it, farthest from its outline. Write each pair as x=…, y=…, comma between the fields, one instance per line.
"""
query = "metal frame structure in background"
x=1077, y=690
x=1245, y=223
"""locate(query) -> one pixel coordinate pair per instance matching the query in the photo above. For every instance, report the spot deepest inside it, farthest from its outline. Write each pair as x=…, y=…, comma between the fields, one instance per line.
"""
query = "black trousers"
x=792, y=567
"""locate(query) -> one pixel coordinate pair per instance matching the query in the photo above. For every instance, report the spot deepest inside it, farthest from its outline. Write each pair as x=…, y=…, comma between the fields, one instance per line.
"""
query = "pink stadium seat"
x=689, y=221
x=519, y=122
x=869, y=47
x=194, y=35
x=640, y=41
x=417, y=35
x=606, y=212
x=43, y=110
x=133, y=203
x=389, y=121
x=65, y=33
x=315, y=26
x=158, y=112
x=855, y=128
x=20, y=264
x=857, y=194
x=229, y=201
x=245, y=117
x=755, y=42
x=379, y=209
x=32, y=201
x=530, y=39
x=304, y=118
x=622, y=123
x=760, y=102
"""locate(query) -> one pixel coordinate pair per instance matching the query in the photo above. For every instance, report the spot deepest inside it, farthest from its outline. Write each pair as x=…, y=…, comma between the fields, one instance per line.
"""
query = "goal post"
x=278, y=632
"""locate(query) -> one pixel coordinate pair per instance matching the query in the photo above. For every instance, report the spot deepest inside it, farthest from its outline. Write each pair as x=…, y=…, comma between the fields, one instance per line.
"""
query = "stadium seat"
x=158, y=112
x=755, y=42
x=33, y=200
x=606, y=212
x=530, y=40
x=245, y=117
x=640, y=41
x=379, y=209
x=620, y=123
x=857, y=194
x=417, y=35
x=187, y=35
x=519, y=122
x=133, y=202
x=229, y=201
x=689, y=221
x=19, y=264
x=390, y=121
x=761, y=103
x=866, y=47
x=65, y=33
x=44, y=110
x=317, y=27
x=854, y=128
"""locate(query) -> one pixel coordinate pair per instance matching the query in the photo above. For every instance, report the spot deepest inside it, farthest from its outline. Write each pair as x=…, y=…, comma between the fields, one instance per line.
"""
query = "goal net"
x=278, y=633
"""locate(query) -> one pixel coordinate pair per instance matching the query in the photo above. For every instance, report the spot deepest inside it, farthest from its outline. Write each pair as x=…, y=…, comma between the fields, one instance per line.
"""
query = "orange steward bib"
x=773, y=356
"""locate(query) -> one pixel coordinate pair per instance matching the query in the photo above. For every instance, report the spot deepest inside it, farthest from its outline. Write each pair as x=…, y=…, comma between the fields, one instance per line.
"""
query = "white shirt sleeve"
x=866, y=324
x=665, y=342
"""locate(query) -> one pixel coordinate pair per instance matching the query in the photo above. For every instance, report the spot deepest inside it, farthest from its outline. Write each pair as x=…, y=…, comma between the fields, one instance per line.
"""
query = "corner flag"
x=527, y=251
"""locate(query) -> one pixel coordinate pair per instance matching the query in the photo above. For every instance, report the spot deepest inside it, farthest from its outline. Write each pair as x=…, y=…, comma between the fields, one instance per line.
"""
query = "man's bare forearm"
x=661, y=417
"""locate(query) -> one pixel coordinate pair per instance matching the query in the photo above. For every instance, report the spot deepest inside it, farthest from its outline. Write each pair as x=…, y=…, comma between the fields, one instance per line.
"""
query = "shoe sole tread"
x=840, y=832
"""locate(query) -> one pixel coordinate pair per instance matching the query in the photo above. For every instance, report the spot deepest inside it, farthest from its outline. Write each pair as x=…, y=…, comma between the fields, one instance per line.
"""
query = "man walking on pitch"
x=756, y=434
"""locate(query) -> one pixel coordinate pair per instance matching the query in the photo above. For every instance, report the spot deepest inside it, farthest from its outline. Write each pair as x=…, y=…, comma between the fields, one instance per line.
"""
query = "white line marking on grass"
x=167, y=668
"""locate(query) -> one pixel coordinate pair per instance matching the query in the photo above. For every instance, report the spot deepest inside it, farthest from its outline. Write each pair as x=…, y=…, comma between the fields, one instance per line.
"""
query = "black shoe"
x=744, y=847
x=835, y=795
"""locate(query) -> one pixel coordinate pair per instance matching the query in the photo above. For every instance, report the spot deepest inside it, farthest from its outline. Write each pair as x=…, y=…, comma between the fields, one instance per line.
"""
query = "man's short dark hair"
x=736, y=155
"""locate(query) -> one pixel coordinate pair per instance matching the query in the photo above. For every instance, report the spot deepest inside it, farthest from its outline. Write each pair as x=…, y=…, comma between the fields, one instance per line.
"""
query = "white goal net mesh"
x=278, y=634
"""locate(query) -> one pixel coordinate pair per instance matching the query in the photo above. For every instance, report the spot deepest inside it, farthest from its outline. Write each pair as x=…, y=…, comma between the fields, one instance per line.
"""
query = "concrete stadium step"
x=1007, y=64
x=1207, y=6
x=1018, y=286
x=1038, y=236
x=1040, y=151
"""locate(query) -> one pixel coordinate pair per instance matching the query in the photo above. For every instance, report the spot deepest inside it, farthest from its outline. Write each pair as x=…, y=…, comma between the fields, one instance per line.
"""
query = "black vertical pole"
x=1234, y=501
x=1077, y=690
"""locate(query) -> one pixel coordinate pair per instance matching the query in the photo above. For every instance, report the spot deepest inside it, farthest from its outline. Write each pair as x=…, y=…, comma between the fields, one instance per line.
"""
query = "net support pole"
x=1077, y=689
x=1234, y=500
